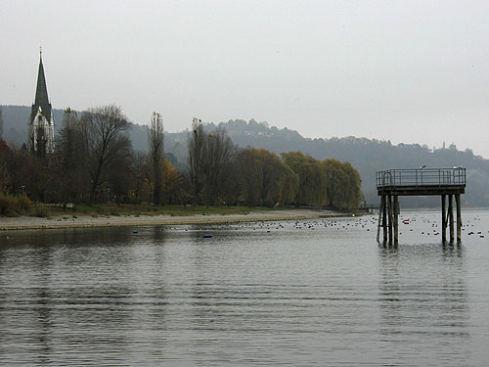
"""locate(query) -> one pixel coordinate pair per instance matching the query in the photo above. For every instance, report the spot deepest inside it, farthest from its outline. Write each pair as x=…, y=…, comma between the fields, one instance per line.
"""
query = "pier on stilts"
x=448, y=183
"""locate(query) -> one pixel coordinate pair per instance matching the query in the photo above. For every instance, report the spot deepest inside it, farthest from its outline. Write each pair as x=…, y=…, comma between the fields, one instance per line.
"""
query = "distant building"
x=41, y=124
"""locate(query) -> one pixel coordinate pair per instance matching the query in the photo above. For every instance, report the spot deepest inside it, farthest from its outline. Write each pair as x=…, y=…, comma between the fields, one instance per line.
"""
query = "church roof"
x=41, y=99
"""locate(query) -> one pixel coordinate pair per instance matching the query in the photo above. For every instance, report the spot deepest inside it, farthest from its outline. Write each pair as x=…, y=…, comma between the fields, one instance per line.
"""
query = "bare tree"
x=104, y=131
x=156, y=151
x=196, y=157
x=210, y=164
x=72, y=152
x=141, y=177
x=218, y=157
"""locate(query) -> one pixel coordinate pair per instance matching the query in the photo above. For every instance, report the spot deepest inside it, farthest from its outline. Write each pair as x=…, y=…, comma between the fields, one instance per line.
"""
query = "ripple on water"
x=317, y=292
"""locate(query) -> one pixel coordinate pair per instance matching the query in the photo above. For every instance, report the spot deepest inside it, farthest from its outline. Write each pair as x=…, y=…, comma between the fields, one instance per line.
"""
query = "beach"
x=60, y=222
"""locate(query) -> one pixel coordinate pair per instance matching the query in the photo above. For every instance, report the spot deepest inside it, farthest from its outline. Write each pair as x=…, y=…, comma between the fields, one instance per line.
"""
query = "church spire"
x=41, y=99
x=41, y=124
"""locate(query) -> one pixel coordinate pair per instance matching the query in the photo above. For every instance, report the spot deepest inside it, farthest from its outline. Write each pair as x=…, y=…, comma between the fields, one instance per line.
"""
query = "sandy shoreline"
x=34, y=223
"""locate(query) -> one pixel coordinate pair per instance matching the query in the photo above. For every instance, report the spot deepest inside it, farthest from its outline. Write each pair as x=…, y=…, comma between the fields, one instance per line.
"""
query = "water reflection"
x=390, y=291
x=451, y=250
x=63, y=289
x=243, y=295
x=423, y=301
x=85, y=237
x=43, y=310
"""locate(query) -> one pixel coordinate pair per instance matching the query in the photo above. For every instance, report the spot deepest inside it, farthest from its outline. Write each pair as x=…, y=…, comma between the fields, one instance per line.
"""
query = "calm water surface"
x=310, y=293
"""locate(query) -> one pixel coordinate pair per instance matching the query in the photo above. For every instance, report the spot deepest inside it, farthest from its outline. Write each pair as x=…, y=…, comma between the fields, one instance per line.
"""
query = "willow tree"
x=343, y=185
x=264, y=178
x=311, y=179
x=156, y=151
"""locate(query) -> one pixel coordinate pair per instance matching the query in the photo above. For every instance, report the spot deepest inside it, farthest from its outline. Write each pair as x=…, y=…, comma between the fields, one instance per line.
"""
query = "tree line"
x=366, y=155
x=94, y=162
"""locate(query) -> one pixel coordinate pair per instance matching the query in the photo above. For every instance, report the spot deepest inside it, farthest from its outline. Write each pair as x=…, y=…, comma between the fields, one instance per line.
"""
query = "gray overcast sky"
x=408, y=71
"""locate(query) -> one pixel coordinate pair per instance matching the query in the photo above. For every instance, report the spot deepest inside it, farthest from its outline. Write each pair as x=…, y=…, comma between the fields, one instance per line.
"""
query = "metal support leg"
x=384, y=219
x=450, y=217
x=396, y=220
x=459, y=219
x=390, y=210
x=443, y=219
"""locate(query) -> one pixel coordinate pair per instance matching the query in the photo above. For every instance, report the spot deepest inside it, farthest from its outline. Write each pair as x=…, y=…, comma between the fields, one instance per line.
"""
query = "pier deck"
x=446, y=182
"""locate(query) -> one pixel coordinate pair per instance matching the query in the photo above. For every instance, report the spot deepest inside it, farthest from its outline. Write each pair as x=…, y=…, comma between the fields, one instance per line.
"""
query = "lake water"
x=307, y=293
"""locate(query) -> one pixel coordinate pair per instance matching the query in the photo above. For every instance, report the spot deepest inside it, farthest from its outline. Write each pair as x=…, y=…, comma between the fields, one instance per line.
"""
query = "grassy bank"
x=14, y=206
x=151, y=210
x=19, y=213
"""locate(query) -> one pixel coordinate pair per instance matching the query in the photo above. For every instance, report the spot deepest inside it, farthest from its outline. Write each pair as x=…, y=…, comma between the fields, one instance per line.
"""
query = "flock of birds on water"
x=429, y=227
x=369, y=223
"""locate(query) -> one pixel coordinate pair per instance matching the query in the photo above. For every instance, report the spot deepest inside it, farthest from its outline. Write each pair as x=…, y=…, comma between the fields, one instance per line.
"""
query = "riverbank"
x=86, y=221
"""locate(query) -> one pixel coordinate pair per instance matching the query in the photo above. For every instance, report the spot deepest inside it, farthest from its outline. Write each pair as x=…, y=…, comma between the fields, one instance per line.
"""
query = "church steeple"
x=41, y=124
x=41, y=99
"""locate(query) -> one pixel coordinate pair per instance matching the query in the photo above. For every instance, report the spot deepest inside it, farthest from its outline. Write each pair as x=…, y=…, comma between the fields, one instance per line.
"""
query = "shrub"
x=41, y=211
x=11, y=205
x=7, y=204
x=24, y=203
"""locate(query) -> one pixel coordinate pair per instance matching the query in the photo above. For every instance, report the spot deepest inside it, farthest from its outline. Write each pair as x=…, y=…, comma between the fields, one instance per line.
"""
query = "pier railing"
x=421, y=177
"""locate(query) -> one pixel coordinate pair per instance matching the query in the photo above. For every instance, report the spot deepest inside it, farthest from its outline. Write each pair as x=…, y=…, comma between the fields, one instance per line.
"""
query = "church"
x=41, y=124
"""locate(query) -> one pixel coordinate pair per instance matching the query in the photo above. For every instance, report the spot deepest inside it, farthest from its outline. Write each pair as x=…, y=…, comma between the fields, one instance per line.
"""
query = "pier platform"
x=448, y=183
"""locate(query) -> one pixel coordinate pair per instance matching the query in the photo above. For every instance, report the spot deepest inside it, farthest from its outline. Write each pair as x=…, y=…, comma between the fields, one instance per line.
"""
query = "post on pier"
x=384, y=219
x=459, y=218
x=450, y=217
x=443, y=218
x=391, y=216
x=396, y=219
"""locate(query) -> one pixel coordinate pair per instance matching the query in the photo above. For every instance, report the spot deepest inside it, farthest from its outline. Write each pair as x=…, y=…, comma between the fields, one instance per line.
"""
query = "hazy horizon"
x=411, y=72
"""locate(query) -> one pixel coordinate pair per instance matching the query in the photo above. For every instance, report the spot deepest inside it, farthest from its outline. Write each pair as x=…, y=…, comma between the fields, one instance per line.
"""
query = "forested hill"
x=366, y=155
